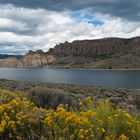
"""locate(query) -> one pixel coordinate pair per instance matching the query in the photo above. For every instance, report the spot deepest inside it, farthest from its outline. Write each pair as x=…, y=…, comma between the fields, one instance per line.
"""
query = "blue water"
x=107, y=78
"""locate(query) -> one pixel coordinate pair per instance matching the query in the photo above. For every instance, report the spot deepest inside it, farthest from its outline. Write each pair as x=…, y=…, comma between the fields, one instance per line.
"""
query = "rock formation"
x=114, y=53
x=31, y=59
x=98, y=47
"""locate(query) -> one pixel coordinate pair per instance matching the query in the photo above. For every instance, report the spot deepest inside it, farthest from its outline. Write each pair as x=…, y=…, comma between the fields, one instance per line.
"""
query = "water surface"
x=108, y=78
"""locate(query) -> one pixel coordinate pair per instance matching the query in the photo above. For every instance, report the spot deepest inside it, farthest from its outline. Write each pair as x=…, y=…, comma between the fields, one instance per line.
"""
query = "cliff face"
x=38, y=58
x=10, y=62
x=97, y=47
x=32, y=59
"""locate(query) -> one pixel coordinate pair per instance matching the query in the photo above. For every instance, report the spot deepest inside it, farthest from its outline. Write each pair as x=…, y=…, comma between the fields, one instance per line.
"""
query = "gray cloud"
x=128, y=9
x=20, y=20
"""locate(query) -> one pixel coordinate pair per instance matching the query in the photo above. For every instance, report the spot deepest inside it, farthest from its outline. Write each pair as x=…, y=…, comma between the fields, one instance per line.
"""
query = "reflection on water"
x=128, y=79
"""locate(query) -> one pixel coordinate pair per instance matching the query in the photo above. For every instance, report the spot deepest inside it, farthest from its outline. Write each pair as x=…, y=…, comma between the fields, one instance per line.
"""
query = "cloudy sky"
x=40, y=24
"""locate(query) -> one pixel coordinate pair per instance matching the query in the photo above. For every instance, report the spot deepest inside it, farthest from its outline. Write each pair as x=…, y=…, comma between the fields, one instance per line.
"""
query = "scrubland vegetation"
x=25, y=116
x=51, y=95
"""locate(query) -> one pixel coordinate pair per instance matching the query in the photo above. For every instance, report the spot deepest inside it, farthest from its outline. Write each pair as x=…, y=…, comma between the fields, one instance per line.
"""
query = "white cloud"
x=22, y=29
x=12, y=24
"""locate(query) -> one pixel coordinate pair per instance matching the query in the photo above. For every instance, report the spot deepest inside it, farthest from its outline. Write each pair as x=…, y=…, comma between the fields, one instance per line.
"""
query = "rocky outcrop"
x=10, y=62
x=38, y=58
x=98, y=47
x=31, y=59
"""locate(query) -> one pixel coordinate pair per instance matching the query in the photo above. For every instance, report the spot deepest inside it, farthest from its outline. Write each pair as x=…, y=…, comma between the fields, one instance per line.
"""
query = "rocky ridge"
x=106, y=53
x=98, y=47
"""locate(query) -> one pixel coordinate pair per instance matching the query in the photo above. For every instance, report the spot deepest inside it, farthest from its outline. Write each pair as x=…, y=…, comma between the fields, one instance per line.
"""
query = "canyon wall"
x=98, y=47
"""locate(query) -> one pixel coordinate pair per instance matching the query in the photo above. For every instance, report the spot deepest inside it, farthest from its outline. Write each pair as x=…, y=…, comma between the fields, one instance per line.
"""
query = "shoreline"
x=74, y=68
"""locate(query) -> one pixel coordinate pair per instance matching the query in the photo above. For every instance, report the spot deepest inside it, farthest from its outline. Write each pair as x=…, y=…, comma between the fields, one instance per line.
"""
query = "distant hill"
x=106, y=53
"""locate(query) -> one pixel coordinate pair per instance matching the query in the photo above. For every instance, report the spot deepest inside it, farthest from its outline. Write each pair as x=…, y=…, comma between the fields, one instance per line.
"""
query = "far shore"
x=76, y=68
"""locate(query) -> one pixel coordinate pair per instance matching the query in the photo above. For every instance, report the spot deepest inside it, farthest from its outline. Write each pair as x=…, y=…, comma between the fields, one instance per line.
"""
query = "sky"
x=41, y=24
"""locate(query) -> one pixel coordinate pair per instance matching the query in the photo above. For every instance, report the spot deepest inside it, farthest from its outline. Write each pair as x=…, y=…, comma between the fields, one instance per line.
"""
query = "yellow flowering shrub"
x=21, y=119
